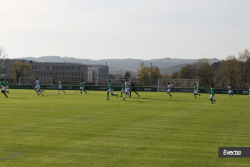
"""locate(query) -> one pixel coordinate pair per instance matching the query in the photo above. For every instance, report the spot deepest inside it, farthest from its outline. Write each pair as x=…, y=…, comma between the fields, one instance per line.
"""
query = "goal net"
x=116, y=82
x=31, y=81
x=186, y=85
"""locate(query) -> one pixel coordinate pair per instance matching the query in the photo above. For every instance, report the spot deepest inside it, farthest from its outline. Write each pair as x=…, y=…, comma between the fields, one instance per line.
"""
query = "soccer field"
x=154, y=130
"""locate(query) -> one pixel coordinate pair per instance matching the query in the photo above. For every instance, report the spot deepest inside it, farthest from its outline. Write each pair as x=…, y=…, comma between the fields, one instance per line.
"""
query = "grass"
x=87, y=130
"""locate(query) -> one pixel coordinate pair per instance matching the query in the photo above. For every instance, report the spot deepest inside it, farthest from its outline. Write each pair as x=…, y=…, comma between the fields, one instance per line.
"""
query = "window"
x=47, y=67
x=35, y=67
x=50, y=72
x=78, y=68
x=72, y=73
x=53, y=67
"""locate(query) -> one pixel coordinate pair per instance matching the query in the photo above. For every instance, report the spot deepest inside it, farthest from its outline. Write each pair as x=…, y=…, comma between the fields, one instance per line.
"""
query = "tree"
x=4, y=62
x=219, y=82
x=146, y=74
x=175, y=75
x=155, y=74
x=204, y=72
x=118, y=76
x=21, y=70
x=244, y=67
x=230, y=70
x=186, y=72
x=143, y=74
x=127, y=75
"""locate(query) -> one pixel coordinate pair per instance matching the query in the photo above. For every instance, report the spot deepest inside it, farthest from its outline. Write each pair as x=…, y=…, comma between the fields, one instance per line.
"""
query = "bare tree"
x=4, y=62
x=244, y=63
x=230, y=70
x=204, y=72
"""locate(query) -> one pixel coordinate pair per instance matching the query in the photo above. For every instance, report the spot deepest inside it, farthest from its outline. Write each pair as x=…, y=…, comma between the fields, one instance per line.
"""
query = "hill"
x=120, y=64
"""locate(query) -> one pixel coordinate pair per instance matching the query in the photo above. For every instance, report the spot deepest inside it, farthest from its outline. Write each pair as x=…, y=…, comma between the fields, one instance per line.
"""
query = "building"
x=64, y=71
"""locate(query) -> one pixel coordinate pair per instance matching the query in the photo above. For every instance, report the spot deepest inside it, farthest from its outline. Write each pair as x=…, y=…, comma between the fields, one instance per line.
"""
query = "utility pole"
x=106, y=71
x=194, y=70
x=151, y=74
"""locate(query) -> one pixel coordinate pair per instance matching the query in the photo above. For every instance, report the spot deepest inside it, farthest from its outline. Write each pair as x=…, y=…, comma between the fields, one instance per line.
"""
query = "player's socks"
x=114, y=94
x=58, y=91
x=85, y=91
x=41, y=92
x=8, y=92
x=121, y=94
x=108, y=96
x=5, y=94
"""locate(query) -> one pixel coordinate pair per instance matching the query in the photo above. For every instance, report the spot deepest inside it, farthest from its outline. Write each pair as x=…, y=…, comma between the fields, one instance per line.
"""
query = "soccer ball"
x=76, y=92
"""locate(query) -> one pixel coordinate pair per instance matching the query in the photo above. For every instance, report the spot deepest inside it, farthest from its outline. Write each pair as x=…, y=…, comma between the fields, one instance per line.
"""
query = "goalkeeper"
x=133, y=89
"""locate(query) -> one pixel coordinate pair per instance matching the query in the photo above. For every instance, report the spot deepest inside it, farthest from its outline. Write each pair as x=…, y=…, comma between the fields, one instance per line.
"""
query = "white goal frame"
x=159, y=88
x=43, y=80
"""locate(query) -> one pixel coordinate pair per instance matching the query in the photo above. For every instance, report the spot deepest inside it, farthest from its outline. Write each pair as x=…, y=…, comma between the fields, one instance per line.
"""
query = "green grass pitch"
x=154, y=130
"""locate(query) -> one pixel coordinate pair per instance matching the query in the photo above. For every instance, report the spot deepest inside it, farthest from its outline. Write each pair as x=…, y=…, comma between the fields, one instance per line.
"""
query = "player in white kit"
x=230, y=91
x=60, y=87
x=37, y=88
x=169, y=90
x=127, y=84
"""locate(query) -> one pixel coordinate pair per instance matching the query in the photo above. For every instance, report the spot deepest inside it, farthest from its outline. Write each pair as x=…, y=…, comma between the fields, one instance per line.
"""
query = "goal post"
x=31, y=81
x=186, y=84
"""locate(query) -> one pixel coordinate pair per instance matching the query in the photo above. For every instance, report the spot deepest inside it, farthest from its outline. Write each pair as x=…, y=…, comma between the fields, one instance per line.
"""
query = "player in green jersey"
x=4, y=85
x=212, y=94
x=82, y=87
x=111, y=89
x=196, y=91
x=123, y=88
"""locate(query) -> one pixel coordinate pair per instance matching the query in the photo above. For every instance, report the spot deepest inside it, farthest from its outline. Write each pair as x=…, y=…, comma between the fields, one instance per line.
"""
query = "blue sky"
x=140, y=29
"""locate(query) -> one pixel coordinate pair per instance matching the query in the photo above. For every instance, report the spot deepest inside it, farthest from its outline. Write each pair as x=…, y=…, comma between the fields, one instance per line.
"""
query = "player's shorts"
x=123, y=91
x=60, y=87
x=81, y=88
x=230, y=91
x=211, y=97
x=169, y=90
x=196, y=91
x=38, y=87
x=126, y=90
x=4, y=88
x=111, y=91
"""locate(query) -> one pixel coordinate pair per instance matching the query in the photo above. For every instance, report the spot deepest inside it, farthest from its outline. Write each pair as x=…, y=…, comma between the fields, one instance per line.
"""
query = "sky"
x=118, y=29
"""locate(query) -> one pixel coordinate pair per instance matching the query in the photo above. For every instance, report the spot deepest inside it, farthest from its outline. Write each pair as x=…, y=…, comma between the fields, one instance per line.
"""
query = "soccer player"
x=38, y=88
x=4, y=89
x=111, y=89
x=60, y=87
x=169, y=90
x=133, y=89
x=127, y=84
x=230, y=91
x=123, y=88
x=212, y=94
x=82, y=87
x=196, y=91
x=172, y=89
